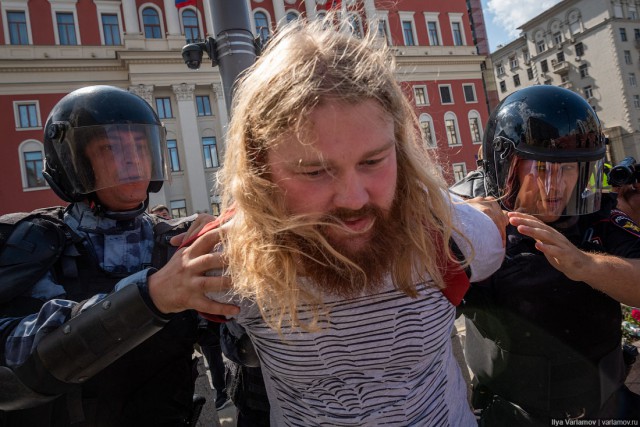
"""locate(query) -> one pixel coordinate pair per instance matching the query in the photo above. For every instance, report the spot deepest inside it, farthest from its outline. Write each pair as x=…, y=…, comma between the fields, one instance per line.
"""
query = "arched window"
x=292, y=16
x=31, y=164
x=475, y=126
x=426, y=128
x=151, y=22
x=262, y=26
x=355, y=24
x=451, y=127
x=190, y=24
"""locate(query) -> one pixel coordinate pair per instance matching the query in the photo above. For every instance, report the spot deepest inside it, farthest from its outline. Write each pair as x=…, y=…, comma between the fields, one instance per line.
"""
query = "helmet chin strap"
x=99, y=210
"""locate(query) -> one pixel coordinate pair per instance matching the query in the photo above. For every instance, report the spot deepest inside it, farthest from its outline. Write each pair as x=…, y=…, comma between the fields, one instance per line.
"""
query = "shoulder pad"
x=470, y=186
x=622, y=220
x=30, y=248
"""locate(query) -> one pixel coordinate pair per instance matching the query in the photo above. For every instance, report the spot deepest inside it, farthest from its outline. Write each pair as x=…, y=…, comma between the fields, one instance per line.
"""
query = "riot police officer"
x=543, y=333
x=95, y=323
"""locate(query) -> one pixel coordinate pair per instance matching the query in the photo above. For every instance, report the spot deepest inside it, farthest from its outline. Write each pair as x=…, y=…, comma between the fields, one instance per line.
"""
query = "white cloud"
x=510, y=14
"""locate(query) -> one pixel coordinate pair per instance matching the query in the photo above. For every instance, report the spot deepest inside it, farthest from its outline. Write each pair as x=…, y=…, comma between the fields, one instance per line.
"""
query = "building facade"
x=51, y=47
x=591, y=47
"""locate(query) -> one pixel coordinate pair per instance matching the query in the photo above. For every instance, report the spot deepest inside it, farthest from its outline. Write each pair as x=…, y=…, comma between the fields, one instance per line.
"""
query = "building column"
x=198, y=191
x=208, y=19
x=278, y=10
x=310, y=7
x=371, y=14
x=130, y=12
x=223, y=116
x=173, y=20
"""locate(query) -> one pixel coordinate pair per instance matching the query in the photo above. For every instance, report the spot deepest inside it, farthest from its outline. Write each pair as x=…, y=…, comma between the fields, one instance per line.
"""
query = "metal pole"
x=235, y=48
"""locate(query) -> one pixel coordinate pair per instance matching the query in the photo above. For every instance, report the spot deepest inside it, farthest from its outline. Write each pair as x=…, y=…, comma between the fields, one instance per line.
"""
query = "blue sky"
x=503, y=17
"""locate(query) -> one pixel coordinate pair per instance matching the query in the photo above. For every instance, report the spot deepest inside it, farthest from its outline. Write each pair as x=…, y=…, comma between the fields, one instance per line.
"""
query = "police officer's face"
x=545, y=188
x=122, y=169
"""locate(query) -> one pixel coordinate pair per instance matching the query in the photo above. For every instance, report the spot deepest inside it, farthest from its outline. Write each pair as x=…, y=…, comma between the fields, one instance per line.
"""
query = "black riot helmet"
x=102, y=124
x=543, y=153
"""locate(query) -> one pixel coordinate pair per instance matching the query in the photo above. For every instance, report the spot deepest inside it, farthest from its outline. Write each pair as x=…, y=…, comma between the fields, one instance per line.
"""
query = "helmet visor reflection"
x=552, y=189
x=98, y=157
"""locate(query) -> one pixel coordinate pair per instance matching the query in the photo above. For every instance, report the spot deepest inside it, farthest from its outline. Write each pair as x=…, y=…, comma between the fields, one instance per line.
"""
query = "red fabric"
x=183, y=3
x=331, y=4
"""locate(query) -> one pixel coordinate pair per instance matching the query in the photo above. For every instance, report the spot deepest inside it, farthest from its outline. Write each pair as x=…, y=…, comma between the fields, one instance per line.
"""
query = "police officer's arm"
x=615, y=276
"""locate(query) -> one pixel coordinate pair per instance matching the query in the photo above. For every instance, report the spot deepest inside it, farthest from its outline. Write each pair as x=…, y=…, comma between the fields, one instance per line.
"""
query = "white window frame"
x=15, y=6
x=633, y=81
x=450, y=93
x=269, y=22
x=27, y=146
x=588, y=91
x=426, y=95
x=473, y=114
x=475, y=94
x=383, y=17
x=463, y=172
x=433, y=17
x=65, y=6
x=636, y=101
x=163, y=31
x=198, y=16
x=514, y=62
x=450, y=115
x=424, y=117
x=16, y=114
x=408, y=16
x=627, y=57
x=111, y=8
x=499, y=69
x=457, y=17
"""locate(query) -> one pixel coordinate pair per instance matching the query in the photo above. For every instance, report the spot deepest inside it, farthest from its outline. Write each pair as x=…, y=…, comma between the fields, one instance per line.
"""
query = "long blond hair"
x=305, y=65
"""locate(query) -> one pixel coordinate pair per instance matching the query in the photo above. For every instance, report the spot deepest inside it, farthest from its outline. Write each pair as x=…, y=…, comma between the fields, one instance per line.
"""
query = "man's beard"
x=375, y=259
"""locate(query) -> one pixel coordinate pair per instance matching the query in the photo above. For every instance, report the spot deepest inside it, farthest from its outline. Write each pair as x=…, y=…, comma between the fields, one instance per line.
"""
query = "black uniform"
x=538, y=340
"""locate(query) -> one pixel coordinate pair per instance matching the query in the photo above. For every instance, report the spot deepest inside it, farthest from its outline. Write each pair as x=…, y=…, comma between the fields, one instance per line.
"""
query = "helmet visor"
x=550, y=190
x=98, y=157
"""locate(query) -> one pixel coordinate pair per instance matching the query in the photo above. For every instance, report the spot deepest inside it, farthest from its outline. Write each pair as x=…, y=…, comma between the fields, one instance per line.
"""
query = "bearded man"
x=340, y=239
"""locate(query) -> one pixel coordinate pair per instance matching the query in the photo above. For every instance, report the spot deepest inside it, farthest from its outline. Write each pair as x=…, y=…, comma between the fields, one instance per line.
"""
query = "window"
x=459, y=171
x=17, y=23
x=503, y=86
x=420, y=95
x=445, y=94
x=526, y=55
x=355, y=25
x=204, y=105
x=262, y=26
x=627, y=57
x=636, y=101
x=579, y=49
x=544, y=66
x=636, y=33
x=584, y=70
x=499, y=69
x=530, y=73
x=426, y=128
x=432, y=27
x=451, y=126
x=407, y=33
x=383, y=30
x=632, y=12
x=110, y=29
x=174, y=159
x=560, y=57
x=66, y=28
x=513, y=61
x=475, y=128
x=151, y=23
x=469, y=93
x=632, y=80
x=541, y=46
x=516, y=80
x=292, y=16
x=210, y=152
x=623, y=34
x=26, y=115
x=457, y=33
x=190, y=24
x=588, y=92
x=33, y=165
x=557, y=38
x=178, y=208
x=163, y=107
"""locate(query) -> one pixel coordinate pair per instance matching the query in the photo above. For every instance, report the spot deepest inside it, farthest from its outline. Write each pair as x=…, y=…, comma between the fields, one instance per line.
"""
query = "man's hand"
x=559, y=251
x=182, y=283
x=492, y=209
